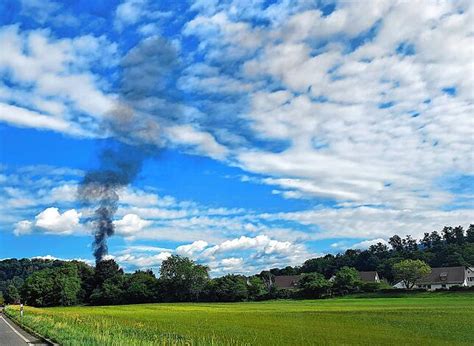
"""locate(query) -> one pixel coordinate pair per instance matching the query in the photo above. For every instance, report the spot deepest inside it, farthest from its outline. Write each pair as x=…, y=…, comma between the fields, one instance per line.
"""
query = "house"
x=445, y=277
x=287, y=281
x=369, y=277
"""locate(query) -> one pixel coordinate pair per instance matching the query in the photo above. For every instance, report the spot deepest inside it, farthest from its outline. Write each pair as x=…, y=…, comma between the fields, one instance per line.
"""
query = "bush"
x=370, y=286
x=461, y=288
x=314, y=285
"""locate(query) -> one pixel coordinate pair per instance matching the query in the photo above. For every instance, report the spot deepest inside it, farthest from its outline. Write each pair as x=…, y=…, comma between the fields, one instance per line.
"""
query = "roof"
x=368, y=276
x=445, y=275
x=287, y=281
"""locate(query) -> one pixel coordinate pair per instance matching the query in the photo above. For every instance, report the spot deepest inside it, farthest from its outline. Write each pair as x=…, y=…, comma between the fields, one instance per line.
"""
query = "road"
x=11, y=335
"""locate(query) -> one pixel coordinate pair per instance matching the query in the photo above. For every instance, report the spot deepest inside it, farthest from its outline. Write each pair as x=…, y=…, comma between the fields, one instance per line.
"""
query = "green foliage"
x=53, y=286
x=14, y=271
x=141, y=287
x=182, y=279
x=110, y=292
x=256, y=288
x=230, y=288
x=470, y=234
x=314, y=285
x=2, y=299
x=106, y=269
x=346, y=280
x=12, y=296
x=411, y=271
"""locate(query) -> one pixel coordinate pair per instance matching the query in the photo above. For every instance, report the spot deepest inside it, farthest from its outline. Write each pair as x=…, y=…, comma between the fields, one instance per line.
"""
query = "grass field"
x=423, y=319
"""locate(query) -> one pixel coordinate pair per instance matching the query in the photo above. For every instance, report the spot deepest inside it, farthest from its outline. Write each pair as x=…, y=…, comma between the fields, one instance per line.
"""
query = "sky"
x=276, y=131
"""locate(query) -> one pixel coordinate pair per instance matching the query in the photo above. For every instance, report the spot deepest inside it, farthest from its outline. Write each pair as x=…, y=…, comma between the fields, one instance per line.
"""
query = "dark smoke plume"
x=148, y=100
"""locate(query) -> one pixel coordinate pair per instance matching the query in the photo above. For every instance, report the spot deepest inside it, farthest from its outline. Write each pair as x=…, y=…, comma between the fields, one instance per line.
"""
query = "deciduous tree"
x=410, y=271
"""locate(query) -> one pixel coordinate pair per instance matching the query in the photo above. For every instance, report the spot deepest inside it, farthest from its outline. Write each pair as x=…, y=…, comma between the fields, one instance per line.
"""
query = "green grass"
x=418, y=320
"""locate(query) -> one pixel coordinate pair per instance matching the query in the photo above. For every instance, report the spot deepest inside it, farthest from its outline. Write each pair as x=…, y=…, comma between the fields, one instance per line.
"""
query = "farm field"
x=444, y=318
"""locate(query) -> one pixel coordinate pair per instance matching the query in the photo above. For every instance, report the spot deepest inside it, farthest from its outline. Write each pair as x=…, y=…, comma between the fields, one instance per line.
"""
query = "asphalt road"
x=11, y=335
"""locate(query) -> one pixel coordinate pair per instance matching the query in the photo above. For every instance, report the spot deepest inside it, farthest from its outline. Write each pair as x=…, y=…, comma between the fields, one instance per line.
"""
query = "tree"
x=410, y=244
x=230, y=288
x=458, y=233
x=426, y=241
x=347, y=280
x=87, y=276
x=53, y=286
x=470, y=234
x=379, y=249
x=182, y=279
x=141, y=287
x=12, y=296
x=267, y=279
x=435, y=239
x=411, y=271
x=256, y=288
x=396, y=243
x=448, y=235
x=106, y=269
x=2, y=300
x=111, y=292
x=314, y=285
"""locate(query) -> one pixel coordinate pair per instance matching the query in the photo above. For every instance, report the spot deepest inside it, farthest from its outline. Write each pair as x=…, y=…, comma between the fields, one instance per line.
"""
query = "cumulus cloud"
x=52, y=221
x=367, y=243
x=190, y=249
x=23, y=227
x=243, y=255
x=130, y=224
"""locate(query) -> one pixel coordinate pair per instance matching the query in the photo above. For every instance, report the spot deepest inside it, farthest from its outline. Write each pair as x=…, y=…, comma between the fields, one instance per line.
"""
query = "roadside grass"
x=435, y=319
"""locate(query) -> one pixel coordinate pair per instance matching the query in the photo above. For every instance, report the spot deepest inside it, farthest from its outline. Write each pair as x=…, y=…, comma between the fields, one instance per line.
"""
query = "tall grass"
x=436, y=319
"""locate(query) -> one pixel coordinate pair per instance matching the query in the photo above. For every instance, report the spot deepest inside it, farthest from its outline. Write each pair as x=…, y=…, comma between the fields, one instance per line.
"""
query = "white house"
x=445, y=277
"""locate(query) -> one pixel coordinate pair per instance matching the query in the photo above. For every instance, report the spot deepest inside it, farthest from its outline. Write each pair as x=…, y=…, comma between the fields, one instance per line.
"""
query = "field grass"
x=446, y=318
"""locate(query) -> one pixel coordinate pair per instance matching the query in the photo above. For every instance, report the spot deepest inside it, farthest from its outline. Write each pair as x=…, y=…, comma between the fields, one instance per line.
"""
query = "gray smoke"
x=148, y=99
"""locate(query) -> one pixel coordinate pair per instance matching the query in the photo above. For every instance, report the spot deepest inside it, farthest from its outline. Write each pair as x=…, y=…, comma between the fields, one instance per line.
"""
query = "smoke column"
x=147, y=101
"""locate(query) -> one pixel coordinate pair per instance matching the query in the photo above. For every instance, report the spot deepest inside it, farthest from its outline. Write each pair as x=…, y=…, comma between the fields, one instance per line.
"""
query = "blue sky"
x=279, y=130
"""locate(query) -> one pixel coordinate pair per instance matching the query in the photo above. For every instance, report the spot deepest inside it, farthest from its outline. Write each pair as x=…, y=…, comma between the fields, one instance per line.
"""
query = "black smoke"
x=148, y=99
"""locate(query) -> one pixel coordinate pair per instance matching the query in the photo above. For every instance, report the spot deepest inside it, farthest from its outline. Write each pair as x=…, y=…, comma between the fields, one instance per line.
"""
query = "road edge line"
x=16, y=331
x=28, y=329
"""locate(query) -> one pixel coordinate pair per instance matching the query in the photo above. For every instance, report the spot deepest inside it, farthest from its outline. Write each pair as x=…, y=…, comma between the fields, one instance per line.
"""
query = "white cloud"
x=243, y=255
x=232, y=264
x=369, y=222
x=129, y=12
x=190, y=249
x=200, y=141
x=46, y=257
x=368, y=243
x=51, y=80
x=52, y=221
x=26, y=118
x=142, y=262
x=130, y=224
x=23, y=227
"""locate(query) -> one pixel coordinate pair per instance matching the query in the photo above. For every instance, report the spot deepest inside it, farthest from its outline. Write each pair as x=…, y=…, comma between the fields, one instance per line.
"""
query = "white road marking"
x=21, y=336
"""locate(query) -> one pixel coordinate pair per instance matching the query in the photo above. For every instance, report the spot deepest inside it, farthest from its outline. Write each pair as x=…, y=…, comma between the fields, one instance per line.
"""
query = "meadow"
x=435, y=318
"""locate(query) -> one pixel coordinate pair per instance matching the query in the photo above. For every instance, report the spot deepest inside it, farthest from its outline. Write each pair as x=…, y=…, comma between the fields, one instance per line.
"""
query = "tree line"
x=51, y=283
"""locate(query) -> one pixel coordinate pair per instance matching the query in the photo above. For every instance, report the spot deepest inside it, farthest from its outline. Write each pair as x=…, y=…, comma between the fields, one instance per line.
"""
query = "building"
x=445, y=277
x=369, y=277
x=287, y=281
